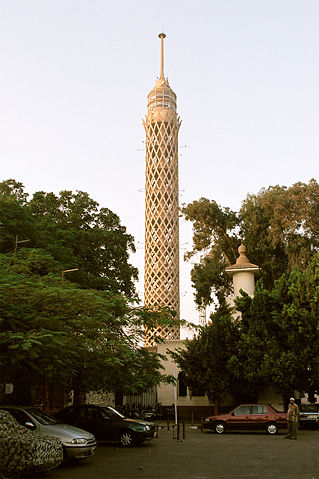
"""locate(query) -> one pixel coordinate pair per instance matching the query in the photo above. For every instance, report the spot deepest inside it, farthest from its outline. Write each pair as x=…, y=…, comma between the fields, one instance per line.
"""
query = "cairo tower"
x=161, y=279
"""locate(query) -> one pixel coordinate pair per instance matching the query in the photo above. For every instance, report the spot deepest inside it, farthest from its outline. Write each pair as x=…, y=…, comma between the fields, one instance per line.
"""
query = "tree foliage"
x=75, y=231
x=205, y=359
x=279, y=226
x=274, y=343
x=88, y=332
x=52, y=329
x=214, y=237
x=279, y=341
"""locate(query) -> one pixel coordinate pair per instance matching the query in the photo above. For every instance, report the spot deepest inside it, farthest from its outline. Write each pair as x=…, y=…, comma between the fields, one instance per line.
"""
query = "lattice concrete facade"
x=161, y=280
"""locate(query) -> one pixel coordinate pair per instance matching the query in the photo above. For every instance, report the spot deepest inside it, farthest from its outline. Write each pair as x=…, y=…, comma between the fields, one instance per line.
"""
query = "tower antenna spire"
x=162, y=36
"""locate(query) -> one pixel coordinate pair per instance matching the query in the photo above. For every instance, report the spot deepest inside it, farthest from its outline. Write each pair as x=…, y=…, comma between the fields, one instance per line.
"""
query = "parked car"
x=77, y=443
x=250, y=417
x=23, y=451
x=309, y=415
x=107, y=424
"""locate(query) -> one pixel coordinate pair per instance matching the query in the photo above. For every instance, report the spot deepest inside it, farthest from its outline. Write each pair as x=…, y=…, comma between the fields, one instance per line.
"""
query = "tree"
x=214, y=237
x=279, y=226
x=205, y=360
x=75, y=231
x=278, y=346
x=14, y=189
x=89, y=332
x=274, y=343
x=53, y=331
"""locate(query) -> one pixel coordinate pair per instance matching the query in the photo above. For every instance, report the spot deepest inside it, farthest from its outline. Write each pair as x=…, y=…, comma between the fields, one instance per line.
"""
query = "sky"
x=74, y=80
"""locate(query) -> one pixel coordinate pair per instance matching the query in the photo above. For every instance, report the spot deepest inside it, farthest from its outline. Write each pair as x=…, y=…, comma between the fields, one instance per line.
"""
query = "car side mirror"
x=29, y=425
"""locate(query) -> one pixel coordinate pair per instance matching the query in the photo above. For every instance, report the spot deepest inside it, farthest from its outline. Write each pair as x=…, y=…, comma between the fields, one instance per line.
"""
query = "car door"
x=240, y=418
x=259, y=416
x=100, y=423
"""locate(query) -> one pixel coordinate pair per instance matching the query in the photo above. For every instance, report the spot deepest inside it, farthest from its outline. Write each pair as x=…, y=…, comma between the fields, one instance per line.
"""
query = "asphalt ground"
x=203, y=455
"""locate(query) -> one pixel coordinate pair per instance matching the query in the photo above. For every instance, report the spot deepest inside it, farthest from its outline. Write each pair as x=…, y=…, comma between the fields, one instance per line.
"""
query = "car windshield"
x=43, y=417
x=113, y=412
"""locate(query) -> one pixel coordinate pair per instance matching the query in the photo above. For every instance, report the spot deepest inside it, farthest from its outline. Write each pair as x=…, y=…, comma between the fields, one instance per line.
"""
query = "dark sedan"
x=107, y=424
x=309, y=415
x=250, y=417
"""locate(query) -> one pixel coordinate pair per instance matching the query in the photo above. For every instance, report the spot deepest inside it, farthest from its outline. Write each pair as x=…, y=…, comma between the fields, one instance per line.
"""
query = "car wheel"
x=126, y=439
x=220, y=427
x=272, y=428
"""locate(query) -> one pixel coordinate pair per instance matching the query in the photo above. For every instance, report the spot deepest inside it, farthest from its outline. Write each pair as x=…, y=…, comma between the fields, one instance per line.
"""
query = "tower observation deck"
x=161, y=279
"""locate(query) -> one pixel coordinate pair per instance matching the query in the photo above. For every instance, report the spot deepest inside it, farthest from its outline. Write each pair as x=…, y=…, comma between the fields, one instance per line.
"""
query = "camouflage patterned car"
x=23, y=451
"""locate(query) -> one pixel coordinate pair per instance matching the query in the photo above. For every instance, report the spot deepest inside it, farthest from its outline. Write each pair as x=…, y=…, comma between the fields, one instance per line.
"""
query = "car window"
x=110, y=411
x=94, y=413
x=80, y=413
x=77, y=412
x=242, y=411
x=19, y=415
x=42, y=417
x=259, y=409
x=67, y=412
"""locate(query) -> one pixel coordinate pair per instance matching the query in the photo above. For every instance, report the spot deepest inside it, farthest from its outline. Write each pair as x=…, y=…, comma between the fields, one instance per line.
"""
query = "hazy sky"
x=74, y=79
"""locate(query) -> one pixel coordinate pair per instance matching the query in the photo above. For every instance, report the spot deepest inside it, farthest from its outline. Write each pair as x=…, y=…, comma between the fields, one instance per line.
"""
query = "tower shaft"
x=161, y=281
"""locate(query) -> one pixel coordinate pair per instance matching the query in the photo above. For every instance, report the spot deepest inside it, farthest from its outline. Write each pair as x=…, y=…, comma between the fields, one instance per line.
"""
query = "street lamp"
x=67, y=270
x=16, y=246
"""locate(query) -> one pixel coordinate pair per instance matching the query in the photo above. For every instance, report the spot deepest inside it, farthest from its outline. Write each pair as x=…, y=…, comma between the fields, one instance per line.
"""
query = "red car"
x=251, y=417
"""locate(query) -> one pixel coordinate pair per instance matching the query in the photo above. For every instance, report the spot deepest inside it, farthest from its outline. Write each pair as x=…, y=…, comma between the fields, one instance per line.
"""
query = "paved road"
x=203, y=455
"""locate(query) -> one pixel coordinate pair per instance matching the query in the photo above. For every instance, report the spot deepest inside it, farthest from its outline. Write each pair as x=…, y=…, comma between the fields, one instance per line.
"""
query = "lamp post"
x=175, y=397
x=67, y=270
x=16, y=246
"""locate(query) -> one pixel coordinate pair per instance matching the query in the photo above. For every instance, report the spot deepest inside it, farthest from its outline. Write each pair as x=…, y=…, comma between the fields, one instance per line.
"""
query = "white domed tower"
x=243, y=273
x=161, y=278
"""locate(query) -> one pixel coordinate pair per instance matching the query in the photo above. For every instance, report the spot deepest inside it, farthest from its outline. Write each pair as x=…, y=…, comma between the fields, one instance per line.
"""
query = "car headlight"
x=206, y=419
x=140, y=427
x=78, y=440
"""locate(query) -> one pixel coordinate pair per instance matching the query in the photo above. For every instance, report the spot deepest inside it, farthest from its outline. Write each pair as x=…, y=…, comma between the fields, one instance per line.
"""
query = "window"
x=42, y=416
x=199, y=391
x=259, y=409
x=242, y=411
x=19, y=416
x=182, y=386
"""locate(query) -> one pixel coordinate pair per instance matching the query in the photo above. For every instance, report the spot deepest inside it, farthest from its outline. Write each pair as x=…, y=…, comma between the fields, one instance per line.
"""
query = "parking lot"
x=203, y=455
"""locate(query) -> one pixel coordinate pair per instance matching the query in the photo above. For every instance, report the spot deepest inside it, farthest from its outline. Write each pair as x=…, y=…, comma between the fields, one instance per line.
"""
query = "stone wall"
x=100, y=399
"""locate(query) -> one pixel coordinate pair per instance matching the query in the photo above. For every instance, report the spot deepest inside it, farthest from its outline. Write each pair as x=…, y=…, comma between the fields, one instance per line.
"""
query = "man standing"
x=292, y=418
